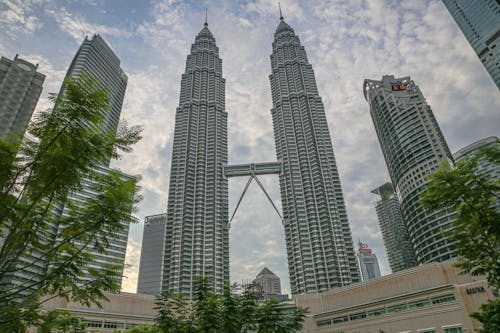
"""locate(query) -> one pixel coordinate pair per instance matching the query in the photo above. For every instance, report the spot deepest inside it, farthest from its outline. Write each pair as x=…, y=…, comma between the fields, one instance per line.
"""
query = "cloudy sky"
x=346, y=41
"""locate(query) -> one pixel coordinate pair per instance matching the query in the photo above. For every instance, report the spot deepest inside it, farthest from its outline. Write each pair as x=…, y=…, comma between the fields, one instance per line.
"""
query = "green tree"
x=67, y=146
x=227, y=312
x=476, y=228
x=489, y=316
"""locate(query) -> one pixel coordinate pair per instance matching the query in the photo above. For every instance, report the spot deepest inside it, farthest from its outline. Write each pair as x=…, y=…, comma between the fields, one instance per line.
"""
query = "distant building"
x=151, y=266
x=368, y=262
x=20, y=88
x=432, y=298
x=479, y=21
x=413, y=146
x=267, y=283
x=394, y=231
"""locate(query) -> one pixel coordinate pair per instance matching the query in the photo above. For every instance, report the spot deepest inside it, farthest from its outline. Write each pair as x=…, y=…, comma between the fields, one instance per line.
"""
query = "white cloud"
x=18, y=16
x=77, y=26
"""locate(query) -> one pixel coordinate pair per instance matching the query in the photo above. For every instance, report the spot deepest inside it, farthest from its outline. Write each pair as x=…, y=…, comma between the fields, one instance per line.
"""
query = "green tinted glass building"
x=479, y=21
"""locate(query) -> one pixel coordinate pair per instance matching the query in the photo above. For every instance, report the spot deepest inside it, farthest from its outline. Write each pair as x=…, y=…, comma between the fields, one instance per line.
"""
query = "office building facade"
x=151, y=265
x=413, y=146
x=368, y=263
x=479, y=21
x=318, y=238
x=394, y=231
x=20, y=89
x=96, y=58
x=267, y=283
x=432, y=298
x=197, y=231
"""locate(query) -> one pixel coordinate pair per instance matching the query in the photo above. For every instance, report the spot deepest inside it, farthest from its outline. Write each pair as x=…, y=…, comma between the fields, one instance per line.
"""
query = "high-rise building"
x=368, y=262
x=413, y=146
x=20, y=88
x=117, y=248
x=197, y=231
x=318, y=237
x=394, y=231
x=479, y=21
x=151, y=266
x=268, y=284
x=96, y=58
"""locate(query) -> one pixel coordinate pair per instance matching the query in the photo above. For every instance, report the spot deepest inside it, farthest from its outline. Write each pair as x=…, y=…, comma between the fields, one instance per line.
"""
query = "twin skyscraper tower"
x=318, y=238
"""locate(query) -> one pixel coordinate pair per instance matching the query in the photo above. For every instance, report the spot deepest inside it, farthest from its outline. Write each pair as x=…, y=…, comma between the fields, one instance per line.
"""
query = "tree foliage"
x=227, y=312
x=475, y=196
x=68, y=147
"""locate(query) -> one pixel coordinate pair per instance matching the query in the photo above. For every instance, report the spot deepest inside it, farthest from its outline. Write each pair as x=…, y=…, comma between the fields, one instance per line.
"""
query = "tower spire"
x=206, y=14
x=281, y=15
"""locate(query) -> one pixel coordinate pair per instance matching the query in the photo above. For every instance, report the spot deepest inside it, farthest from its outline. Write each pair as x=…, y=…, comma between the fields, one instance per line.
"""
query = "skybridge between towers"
x=252, y=170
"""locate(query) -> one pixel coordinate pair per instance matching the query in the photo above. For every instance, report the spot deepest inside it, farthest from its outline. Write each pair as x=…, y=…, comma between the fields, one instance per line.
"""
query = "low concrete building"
x=123, y=311
x=433, y=298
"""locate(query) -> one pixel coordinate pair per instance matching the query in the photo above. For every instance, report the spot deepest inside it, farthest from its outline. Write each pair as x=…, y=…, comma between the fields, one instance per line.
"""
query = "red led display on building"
x=398, y=86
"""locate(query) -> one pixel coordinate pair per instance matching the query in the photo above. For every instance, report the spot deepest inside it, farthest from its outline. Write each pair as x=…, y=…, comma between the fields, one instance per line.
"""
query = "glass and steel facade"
x=413, y=146
x=97, y=58
x=479, y=21
x=368, y=263
x=318, y=237
x=394, y=231
x=117, y=247
x=151, y=268
x=20, y=88
x=197, y=231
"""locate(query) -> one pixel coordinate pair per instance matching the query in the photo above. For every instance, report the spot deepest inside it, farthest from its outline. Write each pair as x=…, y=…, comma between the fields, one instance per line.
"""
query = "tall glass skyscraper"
x=96, y=58
x=318, y=237
x=479, y=21
x=151, y=268
x=197, y=231
x=394, y=231
x=413, y=145
x=20, y=88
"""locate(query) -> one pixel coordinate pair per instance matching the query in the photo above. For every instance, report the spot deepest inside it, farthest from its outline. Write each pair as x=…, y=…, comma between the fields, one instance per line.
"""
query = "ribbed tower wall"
x=318, y=237
x=196, y=237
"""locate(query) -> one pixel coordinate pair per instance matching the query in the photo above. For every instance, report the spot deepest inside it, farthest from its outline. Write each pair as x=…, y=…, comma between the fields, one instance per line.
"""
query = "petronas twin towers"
x=318, y=238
